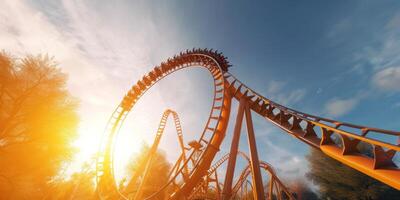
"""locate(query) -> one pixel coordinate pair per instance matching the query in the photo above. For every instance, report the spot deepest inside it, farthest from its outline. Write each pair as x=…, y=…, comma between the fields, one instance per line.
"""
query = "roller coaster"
x=194, y=175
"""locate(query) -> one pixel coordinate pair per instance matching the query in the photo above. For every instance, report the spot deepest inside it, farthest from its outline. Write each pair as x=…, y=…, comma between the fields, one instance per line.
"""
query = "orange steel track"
x=202, y=187
x=312, y=130
x=275, y=184
x=147, y=162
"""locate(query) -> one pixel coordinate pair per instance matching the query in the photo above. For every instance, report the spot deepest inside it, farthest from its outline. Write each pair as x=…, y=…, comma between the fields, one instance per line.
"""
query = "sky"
x=336, y=59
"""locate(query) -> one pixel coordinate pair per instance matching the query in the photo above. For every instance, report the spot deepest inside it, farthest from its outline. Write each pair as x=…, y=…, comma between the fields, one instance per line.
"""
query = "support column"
x=217, y=185
x=258, y=188
x=271, y=187
x=227, y=191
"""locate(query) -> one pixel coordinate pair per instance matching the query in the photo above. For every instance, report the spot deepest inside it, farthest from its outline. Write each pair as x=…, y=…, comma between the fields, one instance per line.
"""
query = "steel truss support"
x=258, y=191
x=313, y=130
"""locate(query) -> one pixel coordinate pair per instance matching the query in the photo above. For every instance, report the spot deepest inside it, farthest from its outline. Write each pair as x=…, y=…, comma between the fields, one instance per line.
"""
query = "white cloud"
x=103, y=50
x=276, y=91
x=339, y=107
x=381, y=62
x=295, y=96
x=275, y=86
x=387, y=79
x=383, y=58
x=287, y=164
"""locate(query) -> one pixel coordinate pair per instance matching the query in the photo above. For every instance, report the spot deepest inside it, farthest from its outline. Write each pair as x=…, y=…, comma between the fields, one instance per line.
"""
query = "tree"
x=38, y=121
x=338, y=181
x=301, y=190
x=80, y=186
x=158, y=173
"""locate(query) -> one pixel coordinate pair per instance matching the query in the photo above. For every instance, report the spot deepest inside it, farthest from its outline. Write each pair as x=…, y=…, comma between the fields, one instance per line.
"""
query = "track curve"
x=274, y=181
x=144, y=166
x=277, y=184
x=313, y=130
x=318, y=131
x=213, y=169
x=211, y=137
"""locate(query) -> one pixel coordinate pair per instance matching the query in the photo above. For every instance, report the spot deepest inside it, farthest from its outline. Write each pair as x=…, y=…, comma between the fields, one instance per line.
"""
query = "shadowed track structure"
x=194, y=170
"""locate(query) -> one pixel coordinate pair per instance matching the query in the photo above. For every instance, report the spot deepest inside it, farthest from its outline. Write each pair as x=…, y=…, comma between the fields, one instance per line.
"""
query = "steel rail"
x=216, y=64
x=147, y=162
x=223, y=117
x=273, y=179
x=303, y=127
x=313, y=130
x=214, y=168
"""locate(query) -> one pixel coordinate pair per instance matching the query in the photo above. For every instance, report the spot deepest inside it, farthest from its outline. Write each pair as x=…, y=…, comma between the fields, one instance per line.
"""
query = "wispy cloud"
x=277, y=91
x=387, y=79
x=383, y=58
x=338, y=107
x=287, y=164
x=380, y=62
x=377, y=60
x=337, y=31
x=102, y=49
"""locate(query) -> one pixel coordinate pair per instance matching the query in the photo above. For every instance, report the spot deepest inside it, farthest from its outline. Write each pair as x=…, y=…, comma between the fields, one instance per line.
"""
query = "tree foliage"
x=338, y=181
x=157, y=176
x=80, y=186
x=301, y=190
x=37, y=124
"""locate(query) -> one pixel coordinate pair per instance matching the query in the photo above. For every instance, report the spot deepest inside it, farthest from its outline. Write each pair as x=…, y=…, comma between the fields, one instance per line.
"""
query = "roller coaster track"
x=275, y=184
x=201, y=188
x=144, y=166
x=305, y=127
x=312, y=130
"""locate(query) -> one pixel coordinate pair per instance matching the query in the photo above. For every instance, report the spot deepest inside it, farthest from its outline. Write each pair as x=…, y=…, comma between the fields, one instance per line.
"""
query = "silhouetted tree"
x=37, y=124
x=337, y=181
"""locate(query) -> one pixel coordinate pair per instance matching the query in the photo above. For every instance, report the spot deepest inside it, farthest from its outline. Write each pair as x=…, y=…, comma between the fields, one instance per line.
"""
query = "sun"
x=88, y=143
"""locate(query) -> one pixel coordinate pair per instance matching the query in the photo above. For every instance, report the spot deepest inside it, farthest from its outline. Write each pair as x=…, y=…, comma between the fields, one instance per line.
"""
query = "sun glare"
x=141, y=124
x=90, y=136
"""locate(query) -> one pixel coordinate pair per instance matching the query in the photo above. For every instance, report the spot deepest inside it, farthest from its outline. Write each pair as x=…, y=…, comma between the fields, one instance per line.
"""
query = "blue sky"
x=336, y=59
